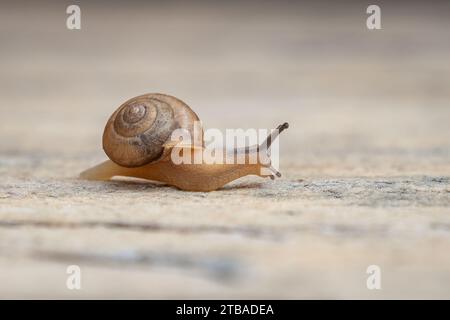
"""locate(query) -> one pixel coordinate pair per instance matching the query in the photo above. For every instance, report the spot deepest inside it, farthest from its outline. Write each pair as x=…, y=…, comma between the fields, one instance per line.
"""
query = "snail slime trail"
x=138, y=141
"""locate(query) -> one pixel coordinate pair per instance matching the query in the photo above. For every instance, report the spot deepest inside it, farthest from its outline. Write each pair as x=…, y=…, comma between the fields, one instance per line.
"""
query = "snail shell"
x=139, y=131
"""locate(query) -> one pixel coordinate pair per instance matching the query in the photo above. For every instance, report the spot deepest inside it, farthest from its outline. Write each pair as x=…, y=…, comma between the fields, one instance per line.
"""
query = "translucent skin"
x=189, y=177
x=196, y=177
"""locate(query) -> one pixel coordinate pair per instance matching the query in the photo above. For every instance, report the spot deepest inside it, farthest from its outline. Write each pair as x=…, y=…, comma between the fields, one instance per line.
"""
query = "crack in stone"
x=247, y=231
x=330, y=229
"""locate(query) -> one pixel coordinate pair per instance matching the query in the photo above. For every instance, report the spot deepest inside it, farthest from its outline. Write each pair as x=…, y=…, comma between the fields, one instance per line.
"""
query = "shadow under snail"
x=138, y=141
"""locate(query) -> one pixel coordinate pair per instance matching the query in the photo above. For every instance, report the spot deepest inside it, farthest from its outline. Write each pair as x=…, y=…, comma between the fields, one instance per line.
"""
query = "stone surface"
x=365, y=163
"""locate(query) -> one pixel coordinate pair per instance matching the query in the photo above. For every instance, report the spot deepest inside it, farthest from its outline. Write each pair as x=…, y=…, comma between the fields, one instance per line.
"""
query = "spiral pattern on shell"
x=137, y=131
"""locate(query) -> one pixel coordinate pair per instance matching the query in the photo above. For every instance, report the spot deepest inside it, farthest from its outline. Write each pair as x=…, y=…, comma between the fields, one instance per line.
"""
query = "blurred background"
x=345, y=89
x=361, y=103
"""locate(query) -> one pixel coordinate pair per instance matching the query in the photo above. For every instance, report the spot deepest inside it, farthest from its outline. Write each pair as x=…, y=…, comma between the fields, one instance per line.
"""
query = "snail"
x=138, y=141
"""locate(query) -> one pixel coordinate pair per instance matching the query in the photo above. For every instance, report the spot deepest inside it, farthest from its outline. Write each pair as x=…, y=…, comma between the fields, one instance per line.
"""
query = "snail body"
x=137, y=139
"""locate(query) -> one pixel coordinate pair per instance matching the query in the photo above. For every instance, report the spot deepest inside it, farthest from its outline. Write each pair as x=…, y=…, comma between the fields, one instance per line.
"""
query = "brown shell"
x=139, y=131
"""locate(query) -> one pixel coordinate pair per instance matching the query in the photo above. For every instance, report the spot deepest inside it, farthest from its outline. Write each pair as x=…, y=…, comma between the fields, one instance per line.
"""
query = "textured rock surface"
x=366, y=162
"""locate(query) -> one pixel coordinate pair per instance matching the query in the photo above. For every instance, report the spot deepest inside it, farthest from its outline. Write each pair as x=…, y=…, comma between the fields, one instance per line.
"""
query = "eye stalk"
x=271, y=137
x=265, y=146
